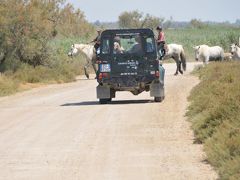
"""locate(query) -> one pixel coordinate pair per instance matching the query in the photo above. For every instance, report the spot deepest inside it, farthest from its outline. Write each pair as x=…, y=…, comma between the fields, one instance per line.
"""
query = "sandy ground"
x=61, y=132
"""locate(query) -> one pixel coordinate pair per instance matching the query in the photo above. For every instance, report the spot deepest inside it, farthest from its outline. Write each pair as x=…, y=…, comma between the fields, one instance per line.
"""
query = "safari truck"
x=128, y=61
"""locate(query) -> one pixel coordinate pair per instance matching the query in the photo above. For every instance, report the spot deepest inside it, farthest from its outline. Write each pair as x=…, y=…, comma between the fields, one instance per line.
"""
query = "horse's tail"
x=183, y=60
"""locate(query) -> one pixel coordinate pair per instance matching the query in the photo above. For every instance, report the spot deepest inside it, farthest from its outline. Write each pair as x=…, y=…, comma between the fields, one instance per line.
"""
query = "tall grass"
x=215, y=116
x=64, y=43
x=59, y=69
x=7, y=85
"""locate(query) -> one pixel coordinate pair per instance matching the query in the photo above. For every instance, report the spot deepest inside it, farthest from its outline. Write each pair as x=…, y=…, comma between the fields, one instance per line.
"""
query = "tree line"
x=136, y=19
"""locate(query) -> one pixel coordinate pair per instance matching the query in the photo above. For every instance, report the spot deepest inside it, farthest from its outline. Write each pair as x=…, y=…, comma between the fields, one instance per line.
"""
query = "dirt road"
x=61, y=132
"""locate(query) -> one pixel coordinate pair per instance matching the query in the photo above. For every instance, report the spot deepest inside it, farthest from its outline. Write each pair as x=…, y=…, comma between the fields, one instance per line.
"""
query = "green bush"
x=60, y=68
x=28, y=29
x=215, y=115
x=35, y=37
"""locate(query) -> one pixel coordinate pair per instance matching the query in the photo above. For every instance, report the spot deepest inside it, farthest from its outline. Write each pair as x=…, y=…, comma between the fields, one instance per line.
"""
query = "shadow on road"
x=84, y=103
x=91, y=103
x=85, y=79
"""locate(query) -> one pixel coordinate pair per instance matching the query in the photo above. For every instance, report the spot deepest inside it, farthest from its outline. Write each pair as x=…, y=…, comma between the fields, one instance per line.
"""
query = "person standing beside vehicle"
x=97, y=40
x=161, y=41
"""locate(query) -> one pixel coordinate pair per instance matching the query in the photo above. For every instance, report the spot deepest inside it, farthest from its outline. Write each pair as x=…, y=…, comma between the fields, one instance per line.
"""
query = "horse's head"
x=73, y=51
x=197, y=52
x=233, y=48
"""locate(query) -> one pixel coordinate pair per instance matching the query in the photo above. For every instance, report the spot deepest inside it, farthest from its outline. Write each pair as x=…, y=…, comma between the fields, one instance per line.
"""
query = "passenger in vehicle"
x=137, y=47
x=117, y=39
x=150, y=47
x=117, y=49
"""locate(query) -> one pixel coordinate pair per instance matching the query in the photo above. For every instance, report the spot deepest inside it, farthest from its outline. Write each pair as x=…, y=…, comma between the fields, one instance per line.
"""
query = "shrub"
x=29, y=27
x=7, y=85
x=33, y=43
x=215, y=115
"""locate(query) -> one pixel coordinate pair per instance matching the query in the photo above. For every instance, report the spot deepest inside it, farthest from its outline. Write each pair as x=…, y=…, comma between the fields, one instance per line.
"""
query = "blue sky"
x=180, y=10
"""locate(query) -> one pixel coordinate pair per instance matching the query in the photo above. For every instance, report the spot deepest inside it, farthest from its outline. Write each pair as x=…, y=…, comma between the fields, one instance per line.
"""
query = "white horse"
x=206, y=53
x=235, y=50
x=89, y=52
x=176, y=52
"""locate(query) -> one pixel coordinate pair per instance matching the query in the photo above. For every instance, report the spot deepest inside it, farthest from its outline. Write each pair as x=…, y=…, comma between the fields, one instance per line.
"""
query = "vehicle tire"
x=105, y=101
x=158, y=99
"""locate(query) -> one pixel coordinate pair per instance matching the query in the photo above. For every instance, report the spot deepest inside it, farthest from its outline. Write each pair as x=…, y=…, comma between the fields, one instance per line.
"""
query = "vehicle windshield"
x=133, y=44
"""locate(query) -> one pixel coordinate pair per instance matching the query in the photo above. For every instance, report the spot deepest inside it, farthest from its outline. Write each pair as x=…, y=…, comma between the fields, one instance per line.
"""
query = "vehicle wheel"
x=105, y=101
x=158, y=99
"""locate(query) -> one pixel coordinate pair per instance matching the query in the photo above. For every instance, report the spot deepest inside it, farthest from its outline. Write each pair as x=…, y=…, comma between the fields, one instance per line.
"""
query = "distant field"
x=210, y=35
x=189, y=37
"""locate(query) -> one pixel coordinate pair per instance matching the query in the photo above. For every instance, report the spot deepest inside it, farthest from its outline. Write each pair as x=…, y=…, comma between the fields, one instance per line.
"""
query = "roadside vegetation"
x=215, y=115
x=35, y=36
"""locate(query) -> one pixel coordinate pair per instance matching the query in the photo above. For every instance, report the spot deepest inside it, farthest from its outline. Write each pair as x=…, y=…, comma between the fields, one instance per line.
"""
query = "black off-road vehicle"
x=128, y=61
